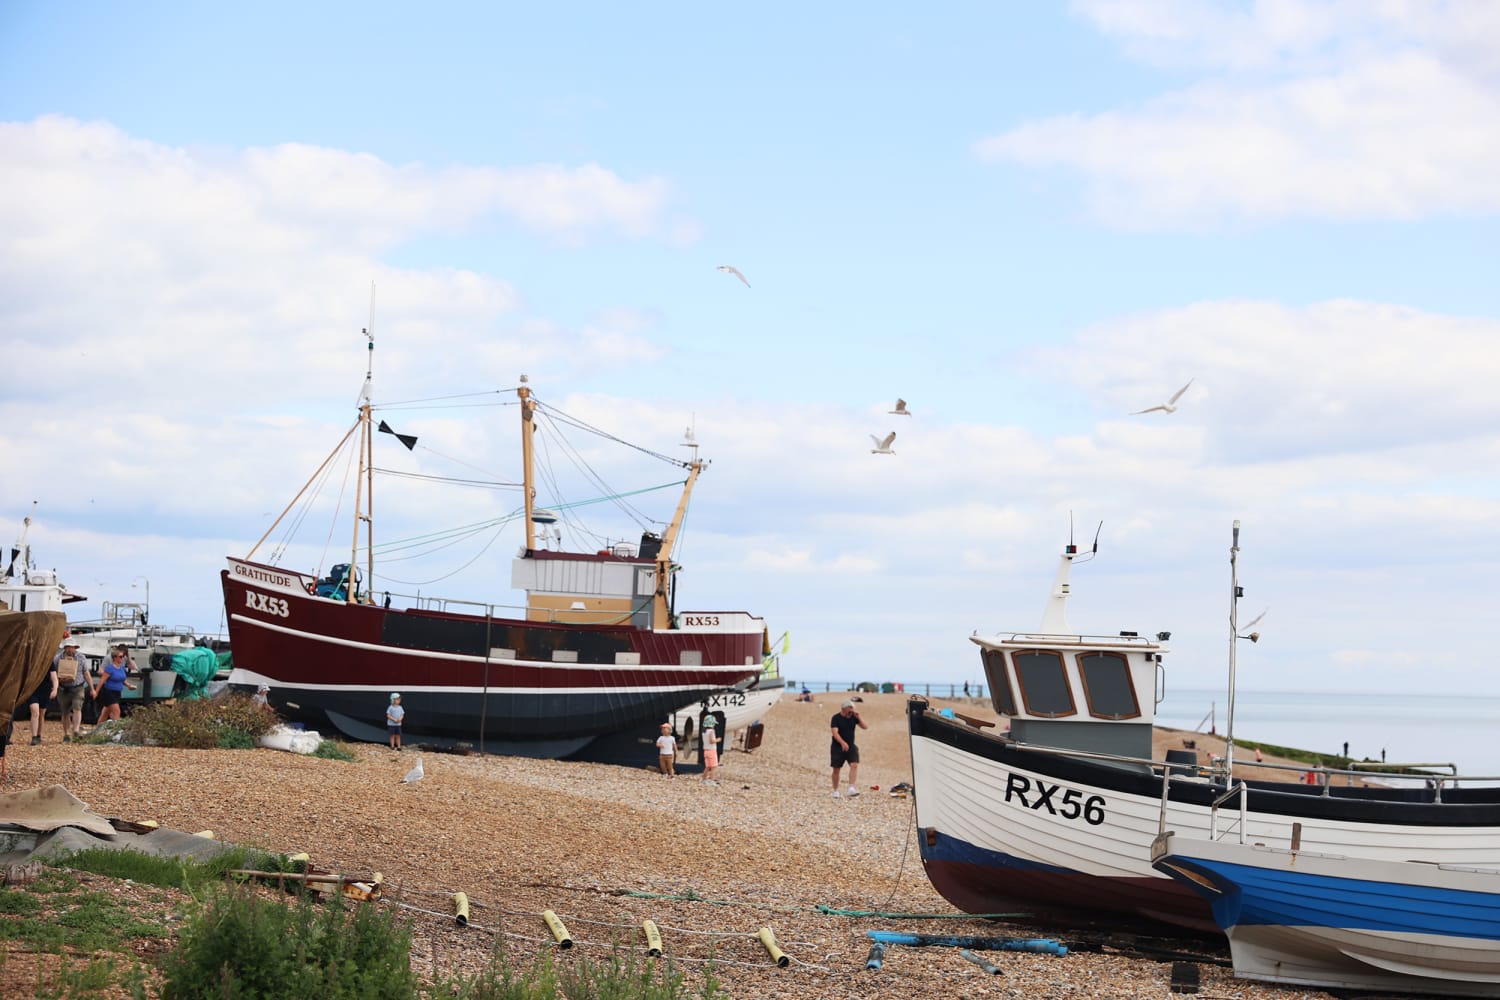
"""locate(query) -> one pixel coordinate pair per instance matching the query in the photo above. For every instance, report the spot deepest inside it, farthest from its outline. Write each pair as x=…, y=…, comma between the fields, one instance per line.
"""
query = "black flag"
x=407, y=439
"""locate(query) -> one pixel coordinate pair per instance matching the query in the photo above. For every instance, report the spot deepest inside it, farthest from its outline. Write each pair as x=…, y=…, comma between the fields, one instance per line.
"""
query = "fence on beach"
x=927, y=689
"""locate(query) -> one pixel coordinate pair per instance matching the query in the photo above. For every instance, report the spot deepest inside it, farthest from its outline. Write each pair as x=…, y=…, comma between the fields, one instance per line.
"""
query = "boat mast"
x=528, y=487
x=1234, y=636
x=364, y=482
x=660, y=608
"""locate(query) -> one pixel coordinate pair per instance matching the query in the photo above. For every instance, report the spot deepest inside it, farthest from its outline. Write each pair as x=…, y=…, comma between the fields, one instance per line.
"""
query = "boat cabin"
x=1078, y=692
x=611, y=587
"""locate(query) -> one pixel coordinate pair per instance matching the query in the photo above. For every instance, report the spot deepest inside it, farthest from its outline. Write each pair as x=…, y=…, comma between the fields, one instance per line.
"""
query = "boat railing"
x=1214, y=770
x=1053, y=639
x=1239, y=790
x=480, y=609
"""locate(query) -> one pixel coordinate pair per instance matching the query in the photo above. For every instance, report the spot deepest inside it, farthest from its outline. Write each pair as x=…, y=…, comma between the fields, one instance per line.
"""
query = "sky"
x=1029, y=221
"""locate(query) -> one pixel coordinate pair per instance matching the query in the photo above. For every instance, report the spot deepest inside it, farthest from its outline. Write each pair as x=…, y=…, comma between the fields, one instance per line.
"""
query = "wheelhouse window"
x=1107, y=686
x=999, y=677
x=1044, y=683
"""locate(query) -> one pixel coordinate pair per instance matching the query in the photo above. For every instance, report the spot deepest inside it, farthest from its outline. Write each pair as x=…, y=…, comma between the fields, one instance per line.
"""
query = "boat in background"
x=587, y=668
x=1304, y=918
x=151, y=647
x=1056, y=817
x=735, y=709
x=23, y=587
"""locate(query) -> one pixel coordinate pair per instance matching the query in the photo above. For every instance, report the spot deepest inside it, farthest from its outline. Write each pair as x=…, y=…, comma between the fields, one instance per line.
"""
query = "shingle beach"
x=607, y=847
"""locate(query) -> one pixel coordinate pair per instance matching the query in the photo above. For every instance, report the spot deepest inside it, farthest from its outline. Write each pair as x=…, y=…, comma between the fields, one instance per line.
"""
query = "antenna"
x=368, y=391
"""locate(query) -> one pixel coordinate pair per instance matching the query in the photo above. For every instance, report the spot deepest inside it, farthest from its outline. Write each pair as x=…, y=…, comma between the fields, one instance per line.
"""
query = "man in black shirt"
x=843, y=751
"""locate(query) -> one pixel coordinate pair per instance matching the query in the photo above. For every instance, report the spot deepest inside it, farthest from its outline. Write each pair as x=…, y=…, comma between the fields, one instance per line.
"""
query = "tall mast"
x=1234, y=638
x=528, y=487
x=363, y=483
x=659, y=607
x=369, y=462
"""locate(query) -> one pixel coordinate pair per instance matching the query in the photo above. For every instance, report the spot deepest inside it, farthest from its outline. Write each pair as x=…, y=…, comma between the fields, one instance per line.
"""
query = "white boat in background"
x=1304, y=918
x=741, y=707
x=23, y=587
x=151, y=647
x=1056, y=817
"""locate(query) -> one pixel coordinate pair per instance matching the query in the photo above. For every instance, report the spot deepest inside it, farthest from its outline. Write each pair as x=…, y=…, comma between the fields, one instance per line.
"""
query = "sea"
x=1405, y=728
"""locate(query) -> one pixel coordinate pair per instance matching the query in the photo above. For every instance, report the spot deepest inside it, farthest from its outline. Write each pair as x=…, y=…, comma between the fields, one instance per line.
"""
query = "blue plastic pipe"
x=981, y=961
x=1045, y=946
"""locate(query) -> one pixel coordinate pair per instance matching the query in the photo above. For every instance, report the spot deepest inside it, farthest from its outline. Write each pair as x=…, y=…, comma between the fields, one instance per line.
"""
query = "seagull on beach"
x=415, y=774
x=730, y=269
x=883, y=446
x=901, y=410
x=1170, y=406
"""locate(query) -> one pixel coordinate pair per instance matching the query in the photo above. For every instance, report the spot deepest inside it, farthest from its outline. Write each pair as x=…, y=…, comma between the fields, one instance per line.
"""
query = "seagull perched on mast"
x=1170, y=406
x=901, y=410
x=730, y=269
x=883, y=447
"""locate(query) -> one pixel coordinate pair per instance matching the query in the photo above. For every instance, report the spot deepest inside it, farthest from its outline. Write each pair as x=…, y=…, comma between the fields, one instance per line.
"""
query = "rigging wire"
x=563, y=418
x=582, y=464
x=450, y=480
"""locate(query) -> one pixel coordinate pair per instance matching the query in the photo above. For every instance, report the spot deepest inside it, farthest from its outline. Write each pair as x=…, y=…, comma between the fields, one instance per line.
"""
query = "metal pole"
x=1234, y=637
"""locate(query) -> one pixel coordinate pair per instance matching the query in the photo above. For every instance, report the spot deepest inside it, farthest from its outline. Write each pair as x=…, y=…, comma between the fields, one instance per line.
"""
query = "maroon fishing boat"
x=586, y=669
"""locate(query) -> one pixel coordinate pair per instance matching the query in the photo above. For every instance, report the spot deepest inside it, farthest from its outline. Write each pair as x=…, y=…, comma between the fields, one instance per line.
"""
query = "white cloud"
x=1354, y=111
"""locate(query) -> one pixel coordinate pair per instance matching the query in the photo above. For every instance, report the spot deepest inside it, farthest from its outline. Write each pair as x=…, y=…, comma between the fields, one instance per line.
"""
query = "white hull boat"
x=1055, y=818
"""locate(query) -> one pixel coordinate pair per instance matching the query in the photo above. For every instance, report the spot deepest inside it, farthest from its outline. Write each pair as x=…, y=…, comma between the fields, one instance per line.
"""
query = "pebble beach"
x=607, y=847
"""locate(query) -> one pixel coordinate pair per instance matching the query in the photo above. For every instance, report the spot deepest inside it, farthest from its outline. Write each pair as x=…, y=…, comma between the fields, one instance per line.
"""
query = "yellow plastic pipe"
x=461, y=909
x=564, y=939
x=653, y=938
x=769, y=940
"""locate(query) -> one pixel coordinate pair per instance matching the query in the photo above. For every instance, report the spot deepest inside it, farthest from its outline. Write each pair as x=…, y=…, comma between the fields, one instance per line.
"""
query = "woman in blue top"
x=112, y=683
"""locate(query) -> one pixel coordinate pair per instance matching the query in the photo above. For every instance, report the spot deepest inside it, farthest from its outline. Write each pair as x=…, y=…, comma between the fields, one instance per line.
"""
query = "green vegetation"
x=241, y=941
x=78, y=919
x=243, y=945
x=332, y=750
x=171, y=873
x=230, y=721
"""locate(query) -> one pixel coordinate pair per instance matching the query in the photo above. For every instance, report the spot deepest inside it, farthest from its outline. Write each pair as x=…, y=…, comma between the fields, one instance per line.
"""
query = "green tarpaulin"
x=196, y=667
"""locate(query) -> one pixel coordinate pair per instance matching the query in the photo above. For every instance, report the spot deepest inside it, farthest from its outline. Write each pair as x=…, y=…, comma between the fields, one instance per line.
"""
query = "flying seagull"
x=1170, y=406
x=901, y=410
x=730, y=269
x=883, y=447
x=415, y=774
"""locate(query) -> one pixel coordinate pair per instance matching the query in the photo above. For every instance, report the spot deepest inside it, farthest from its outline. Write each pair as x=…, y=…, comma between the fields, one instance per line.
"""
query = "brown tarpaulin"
x=28, y=642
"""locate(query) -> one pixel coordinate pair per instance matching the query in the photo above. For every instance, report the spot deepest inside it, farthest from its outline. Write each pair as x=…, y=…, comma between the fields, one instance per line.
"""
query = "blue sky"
x=1028, y=220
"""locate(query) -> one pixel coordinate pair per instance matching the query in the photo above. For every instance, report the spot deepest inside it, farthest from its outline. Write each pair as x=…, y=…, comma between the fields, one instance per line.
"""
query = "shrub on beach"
x=241, y=944
x=231, y=721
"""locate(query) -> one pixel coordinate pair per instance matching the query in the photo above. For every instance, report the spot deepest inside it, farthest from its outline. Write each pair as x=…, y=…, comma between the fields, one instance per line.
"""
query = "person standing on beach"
x=710, y=737
x=843, y=751
x=393, y=719
x=666, y=751
x=72, y=683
